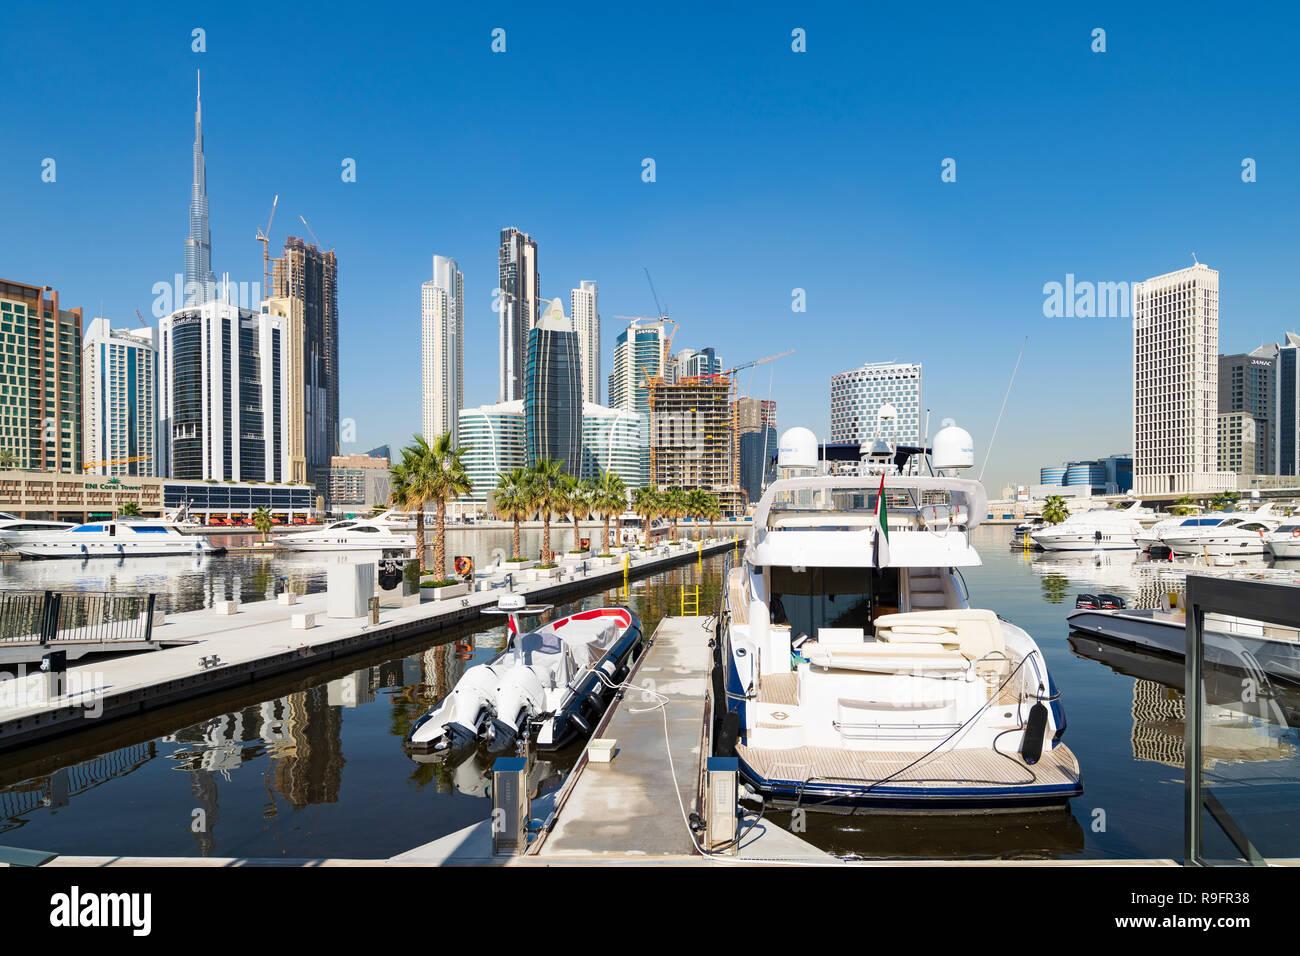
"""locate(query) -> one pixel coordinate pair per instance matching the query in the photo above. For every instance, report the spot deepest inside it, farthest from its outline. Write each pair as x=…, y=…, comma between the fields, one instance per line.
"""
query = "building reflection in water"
x=55, y=790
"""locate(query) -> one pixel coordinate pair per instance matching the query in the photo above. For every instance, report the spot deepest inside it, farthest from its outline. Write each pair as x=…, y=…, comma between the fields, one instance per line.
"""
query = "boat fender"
x=1031, y=745
x=576, y=719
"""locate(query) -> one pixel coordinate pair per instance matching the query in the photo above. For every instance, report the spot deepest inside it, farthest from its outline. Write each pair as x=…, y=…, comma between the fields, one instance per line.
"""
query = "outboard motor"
x=1110, y=602
x=1086, y=602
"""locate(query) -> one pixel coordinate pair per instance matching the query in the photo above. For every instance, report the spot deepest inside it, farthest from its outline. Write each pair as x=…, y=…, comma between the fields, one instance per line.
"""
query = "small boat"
x=1228, y=640
x=1090, y=531
x=114, y=539
x=551, y=684
x=1226, y=535
x=349, y=535
x=1284, y=543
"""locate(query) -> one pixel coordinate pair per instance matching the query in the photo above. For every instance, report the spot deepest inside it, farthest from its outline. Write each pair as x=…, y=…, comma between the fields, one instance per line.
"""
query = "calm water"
x=312, y=766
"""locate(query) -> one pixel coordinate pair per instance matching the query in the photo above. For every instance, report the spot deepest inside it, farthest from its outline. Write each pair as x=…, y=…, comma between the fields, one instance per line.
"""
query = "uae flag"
x=881, y=516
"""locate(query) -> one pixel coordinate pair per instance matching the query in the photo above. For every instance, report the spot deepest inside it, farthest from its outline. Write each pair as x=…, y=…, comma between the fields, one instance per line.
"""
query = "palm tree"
x=401, y=495
x=1054, y=509
x=128, y=509
x=712, y=511
x=578, y=503
x=646, y=504
x=675, y=506
x=546, y=494
x=1184, y=506
x=697, y=503
x=262, y=522
x=8, y=459
x=511, y=500
x=609, y=499
x=444, y=480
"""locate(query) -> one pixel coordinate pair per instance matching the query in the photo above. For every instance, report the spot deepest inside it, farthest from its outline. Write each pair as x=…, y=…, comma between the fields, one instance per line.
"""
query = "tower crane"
x=264, y=237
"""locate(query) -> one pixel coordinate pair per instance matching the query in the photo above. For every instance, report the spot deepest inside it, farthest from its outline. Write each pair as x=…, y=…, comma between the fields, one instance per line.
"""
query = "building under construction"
x=693, y=438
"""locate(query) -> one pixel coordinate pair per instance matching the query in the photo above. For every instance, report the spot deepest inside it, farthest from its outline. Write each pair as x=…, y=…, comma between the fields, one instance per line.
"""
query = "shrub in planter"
x=439, y=583
x=546, y=567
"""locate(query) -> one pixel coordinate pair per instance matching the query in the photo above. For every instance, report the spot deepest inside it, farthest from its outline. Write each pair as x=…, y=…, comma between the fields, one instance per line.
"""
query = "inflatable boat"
x=551, y=684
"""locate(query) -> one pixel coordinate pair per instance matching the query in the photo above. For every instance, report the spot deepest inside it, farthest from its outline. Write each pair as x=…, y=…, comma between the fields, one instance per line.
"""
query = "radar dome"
x=796, y=448
x=953, y=447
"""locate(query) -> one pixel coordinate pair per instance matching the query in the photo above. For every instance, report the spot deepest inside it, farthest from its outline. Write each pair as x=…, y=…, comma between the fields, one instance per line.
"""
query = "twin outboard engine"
x=1099, y=602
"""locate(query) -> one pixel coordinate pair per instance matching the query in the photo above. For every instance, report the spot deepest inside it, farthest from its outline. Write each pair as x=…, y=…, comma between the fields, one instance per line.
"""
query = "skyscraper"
x=310, y=276
x=553, y=391
x=200, y=282
x=613, y=441
x=756, y=428
x=40, y=406
x=442, y=363
x=518, y=303
x=494, y=444
x=225, y=376
x=586, y=322
x=1176, y=384
x=119, y=372
x=858, y=394
x=1248, y=383
x=638, y=353
x=1287, y=452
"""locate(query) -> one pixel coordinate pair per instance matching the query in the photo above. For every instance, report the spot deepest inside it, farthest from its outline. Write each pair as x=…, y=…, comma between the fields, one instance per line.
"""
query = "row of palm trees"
x=435, y=473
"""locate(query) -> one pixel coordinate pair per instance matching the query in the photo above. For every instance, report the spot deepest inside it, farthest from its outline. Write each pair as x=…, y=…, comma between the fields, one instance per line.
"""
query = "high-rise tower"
x=442, y=322
x=518, y=303
x=200, y=281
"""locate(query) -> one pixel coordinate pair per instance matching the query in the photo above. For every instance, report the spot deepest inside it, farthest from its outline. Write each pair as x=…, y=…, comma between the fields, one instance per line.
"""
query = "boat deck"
x=972, y=770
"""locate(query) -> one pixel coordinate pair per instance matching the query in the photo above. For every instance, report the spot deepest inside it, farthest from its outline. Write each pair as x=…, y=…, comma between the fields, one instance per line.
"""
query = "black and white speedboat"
x=552, y=684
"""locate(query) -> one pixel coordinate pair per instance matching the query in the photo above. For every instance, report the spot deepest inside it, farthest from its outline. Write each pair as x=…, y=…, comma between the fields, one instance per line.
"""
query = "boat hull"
x=113, y=549
x=1220, y=545
x=1084, y=541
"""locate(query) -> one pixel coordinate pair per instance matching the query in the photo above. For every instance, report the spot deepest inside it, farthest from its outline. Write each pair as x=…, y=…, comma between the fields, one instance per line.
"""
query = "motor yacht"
x=348, y=535
x=1283, y=543
x=855, y=670
x=22, y=529
x=1223, y=535
x=114, y=539
x=1101, y=530
x=551, y=684
x=1154, y=536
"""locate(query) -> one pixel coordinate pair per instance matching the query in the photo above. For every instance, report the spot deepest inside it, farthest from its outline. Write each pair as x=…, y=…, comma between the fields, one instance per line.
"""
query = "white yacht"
x=140, y=537
x=1154, y=536
x=1284, y=542
x=856, y=672
x=1101, y=530
x=348, y=535
x=13, y=530
x=1223, y=534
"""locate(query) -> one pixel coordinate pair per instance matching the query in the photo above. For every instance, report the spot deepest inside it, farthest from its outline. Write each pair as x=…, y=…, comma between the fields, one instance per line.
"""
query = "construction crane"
x=740, y=368
x=319, y=244
x=114, y=461
x=141, y=318
x=264, y=237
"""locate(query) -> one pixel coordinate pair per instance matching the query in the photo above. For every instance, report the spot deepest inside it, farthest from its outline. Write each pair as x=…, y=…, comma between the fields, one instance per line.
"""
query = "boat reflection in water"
x=1257, y=729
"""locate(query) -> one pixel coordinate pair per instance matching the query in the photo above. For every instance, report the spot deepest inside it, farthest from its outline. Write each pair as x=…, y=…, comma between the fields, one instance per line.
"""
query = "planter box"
x=305, y=621
x=601, y=562
x=543, y=574
x=516, y=565
x=442, y=594
x=601, y=750
x=226, y=607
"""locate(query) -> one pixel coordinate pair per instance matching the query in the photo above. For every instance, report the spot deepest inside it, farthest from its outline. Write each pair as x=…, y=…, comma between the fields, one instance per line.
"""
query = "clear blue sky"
x=775, y=170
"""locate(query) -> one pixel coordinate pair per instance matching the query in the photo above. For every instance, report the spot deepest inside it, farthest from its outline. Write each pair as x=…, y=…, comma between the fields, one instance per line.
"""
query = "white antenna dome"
x=887, y=412
x=953, y=447
x=796, y=448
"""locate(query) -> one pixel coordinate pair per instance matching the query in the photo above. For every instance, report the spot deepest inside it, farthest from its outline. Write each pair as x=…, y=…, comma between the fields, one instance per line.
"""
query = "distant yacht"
x=1090, y=531
x=349, y=535
x=1284, y=543
x=1224, y=535
x=13, y=530
x=112, y=539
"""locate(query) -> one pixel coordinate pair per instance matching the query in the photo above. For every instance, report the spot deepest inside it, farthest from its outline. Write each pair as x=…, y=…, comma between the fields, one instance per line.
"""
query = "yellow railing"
x=690, y=600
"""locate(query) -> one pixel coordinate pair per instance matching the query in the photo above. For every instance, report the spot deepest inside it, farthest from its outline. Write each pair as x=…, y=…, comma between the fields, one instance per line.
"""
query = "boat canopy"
x=844, y=502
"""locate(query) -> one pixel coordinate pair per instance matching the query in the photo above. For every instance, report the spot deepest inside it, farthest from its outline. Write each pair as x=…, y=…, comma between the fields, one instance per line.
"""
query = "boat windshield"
x=849, y=502
x=809, y=599
x=1293, y=529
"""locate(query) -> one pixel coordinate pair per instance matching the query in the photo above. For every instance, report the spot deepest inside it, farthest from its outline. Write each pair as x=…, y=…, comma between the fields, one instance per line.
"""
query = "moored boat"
x=551, y=684
x=121, y=538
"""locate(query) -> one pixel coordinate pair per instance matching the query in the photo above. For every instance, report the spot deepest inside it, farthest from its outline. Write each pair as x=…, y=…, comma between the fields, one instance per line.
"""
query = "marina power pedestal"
x=720, y=800
x=511, y=808
x=348, y=589
x=55, y=666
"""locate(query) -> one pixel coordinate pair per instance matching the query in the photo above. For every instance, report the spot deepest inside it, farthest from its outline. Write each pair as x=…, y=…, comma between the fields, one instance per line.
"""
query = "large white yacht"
x=1101, y=530
x=857, y=671
x=13, y=530
x=1284, y=543
x=139, y=537
x=349, y=535
x=1223, y=534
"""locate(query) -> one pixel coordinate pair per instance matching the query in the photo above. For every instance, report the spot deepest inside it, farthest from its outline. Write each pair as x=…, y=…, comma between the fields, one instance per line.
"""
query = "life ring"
x=1295, y=533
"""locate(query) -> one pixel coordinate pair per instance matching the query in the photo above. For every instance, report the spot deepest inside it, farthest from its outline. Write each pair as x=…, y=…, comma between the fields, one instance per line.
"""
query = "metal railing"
x=45, y=617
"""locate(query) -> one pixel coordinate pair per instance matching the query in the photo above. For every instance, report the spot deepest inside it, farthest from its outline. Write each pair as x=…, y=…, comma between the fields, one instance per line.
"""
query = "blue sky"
x=775, y=170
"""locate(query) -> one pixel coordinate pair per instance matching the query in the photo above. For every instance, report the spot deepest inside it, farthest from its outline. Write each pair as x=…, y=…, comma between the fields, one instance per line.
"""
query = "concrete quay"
x=213, y=652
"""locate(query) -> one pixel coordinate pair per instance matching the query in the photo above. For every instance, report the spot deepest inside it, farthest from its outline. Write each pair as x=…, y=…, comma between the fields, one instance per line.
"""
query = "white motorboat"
x=1101, y=530
x=856, y=673
x=348, y=535
x=1154, y=536
x=552, y=684
x=13, y=530
x=1284, y=542
x=1223, y=535
x=121, y=538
